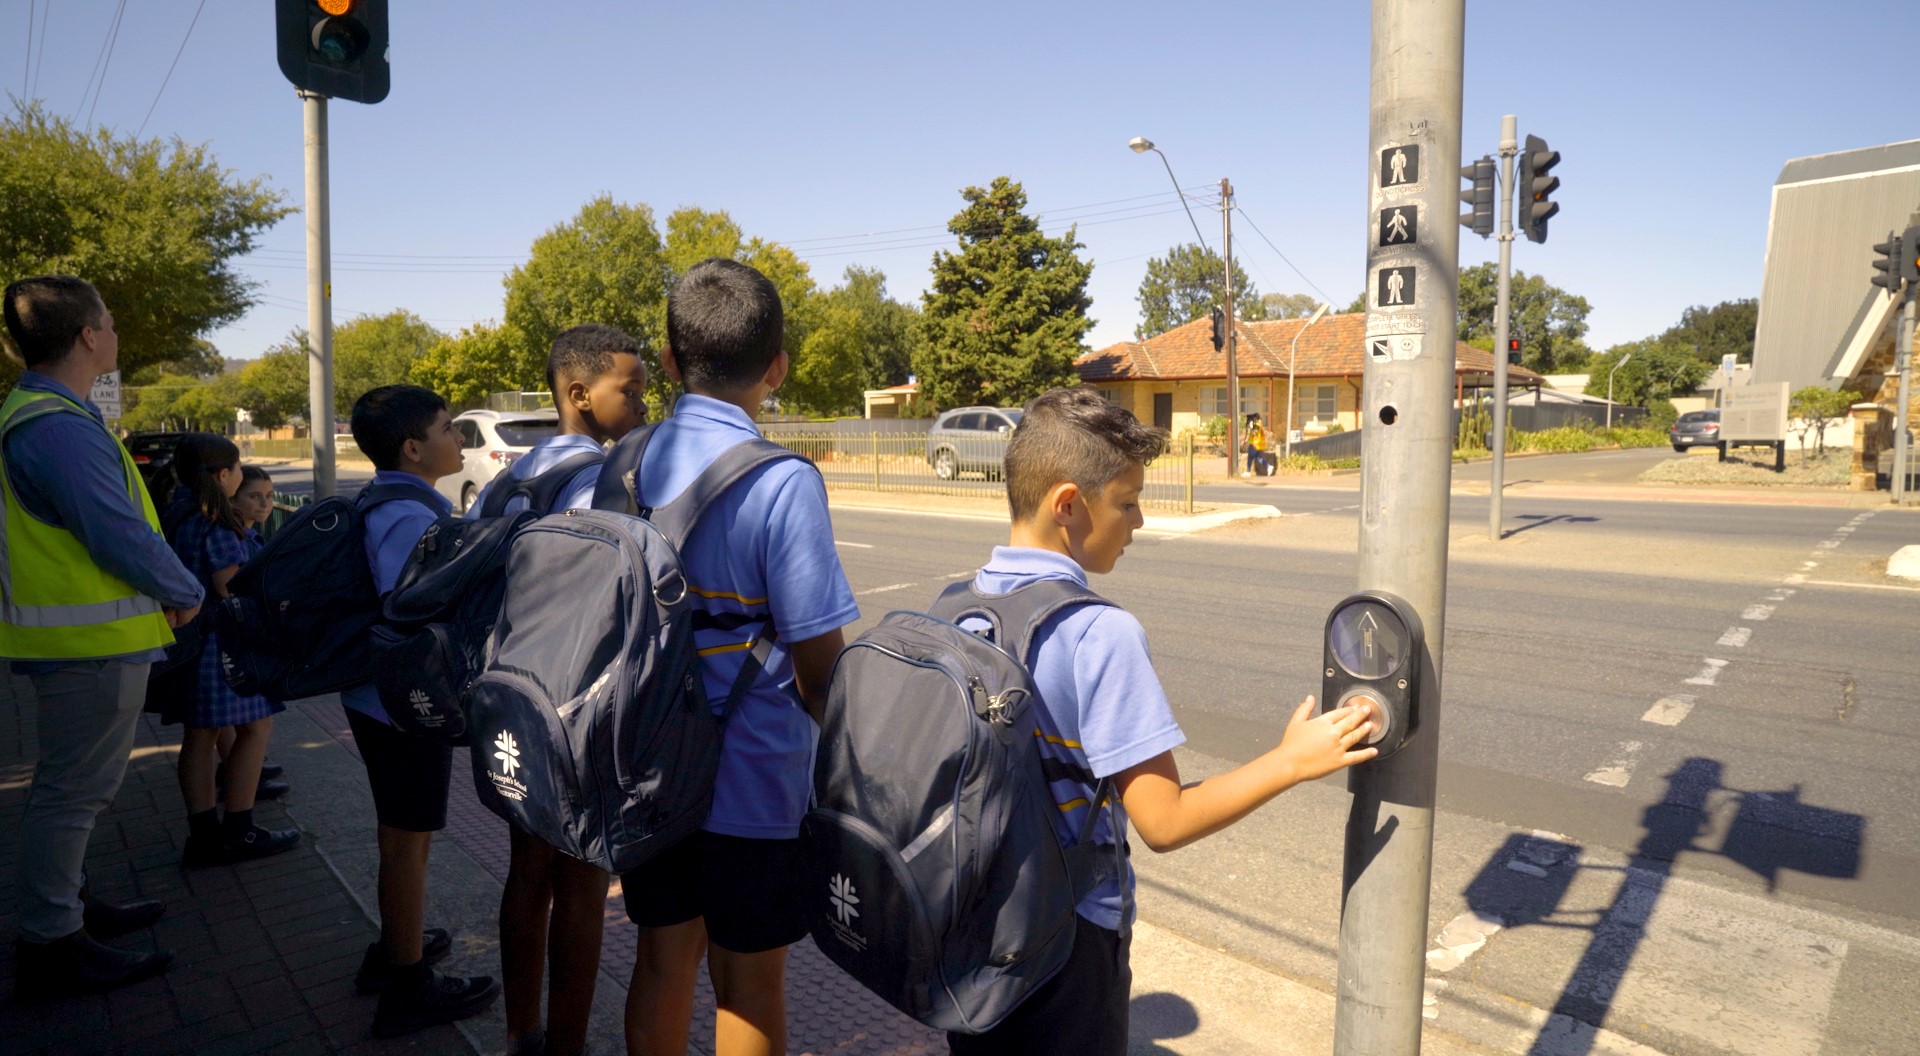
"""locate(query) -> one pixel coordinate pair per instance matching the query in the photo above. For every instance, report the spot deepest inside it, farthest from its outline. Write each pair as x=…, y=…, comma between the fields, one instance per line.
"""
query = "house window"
x=1213, y=400
x=1253, y=400
x=1317, y=405
x=1111, y=395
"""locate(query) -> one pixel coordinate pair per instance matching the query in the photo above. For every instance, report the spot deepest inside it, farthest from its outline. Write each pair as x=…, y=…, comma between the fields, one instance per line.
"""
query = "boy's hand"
x=1316, y=746
x=178, y=618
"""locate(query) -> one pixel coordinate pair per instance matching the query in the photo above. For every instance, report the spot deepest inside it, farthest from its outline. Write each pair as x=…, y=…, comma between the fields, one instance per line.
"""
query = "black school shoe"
x=420, y=997
x=109, y=920
x=77, y=964
x=257, y=843
x=377, y=973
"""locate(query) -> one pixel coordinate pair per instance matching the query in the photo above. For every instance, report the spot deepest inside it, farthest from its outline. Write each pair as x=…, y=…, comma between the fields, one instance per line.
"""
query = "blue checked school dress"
x=205, y=548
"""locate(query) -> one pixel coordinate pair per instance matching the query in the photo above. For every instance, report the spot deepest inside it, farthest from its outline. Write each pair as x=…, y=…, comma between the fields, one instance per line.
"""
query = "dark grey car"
x=970, y=440
x=1695, y=429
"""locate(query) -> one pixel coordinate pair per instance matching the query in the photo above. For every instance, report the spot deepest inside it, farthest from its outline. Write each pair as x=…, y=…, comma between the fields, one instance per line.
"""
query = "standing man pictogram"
x=1399, y=166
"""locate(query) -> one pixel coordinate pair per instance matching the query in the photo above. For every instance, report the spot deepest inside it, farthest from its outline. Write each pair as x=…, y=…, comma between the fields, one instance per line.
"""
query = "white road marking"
x=1736, y=637
x=1797, y=578
x=856, y=546
x=1708, y=675
x=1669, y=711
x=1862, y=586
x=1619, y=771
x=1809, y=565
x=1826, y=544
x=1757, y=612
x=1780, y=594
x=882, y=590
x=959, y=575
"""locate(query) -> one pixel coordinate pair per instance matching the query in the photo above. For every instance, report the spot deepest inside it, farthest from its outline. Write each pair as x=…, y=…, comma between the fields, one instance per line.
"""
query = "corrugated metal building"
x=1820, y=319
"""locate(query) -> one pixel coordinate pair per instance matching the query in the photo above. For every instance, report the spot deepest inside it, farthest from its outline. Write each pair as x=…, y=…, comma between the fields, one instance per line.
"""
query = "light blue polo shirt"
x=392, y=529
x=547, y=453
x=766, y=546
x=1101, y=706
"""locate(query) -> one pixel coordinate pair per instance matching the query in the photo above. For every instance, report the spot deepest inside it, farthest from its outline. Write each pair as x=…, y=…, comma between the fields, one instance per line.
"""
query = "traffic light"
x=1513, y=350
x=1910, y=256
x=337, y=48
x=1535, y=186
x=1219, y=329
x=1890, y=265
x=1479, y=197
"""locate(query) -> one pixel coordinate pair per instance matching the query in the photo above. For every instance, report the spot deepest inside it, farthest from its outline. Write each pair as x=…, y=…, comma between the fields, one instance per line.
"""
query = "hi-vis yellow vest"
x=55, y=603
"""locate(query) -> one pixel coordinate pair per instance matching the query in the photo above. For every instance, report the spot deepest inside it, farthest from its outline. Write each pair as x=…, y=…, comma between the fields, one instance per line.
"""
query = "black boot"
x=421, y=997
x=79, y=965
x=108, y=920
x=376, y=973
x=205, y=846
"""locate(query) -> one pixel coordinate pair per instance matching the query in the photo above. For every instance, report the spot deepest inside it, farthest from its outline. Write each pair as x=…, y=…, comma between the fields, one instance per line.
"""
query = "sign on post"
x=1756, y=416
x=106, y=395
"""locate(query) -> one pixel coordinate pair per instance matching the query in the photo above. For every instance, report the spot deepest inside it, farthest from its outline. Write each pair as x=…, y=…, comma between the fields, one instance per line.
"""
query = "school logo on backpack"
x=507, y=750
x=843, y=901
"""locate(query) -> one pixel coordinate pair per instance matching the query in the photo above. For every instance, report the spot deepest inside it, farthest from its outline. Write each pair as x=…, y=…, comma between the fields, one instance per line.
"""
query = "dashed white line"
x=856, y=546
x=1826, y=544
x=1617, y=773
x=1797, y=578
x=882, y=590
x=1669, y=711
x=1863, y=586
x=959, y=575
x=1757, y=612
x=1736, y=637
x=1780, y=594
x=1709, y=673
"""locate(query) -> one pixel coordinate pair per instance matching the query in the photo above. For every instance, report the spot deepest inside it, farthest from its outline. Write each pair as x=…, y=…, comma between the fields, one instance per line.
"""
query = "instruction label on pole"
x=105, y=394
x=1395, y=346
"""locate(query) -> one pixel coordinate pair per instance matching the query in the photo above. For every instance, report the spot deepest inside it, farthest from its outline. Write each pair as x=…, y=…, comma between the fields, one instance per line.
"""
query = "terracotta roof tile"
x=1334, y=347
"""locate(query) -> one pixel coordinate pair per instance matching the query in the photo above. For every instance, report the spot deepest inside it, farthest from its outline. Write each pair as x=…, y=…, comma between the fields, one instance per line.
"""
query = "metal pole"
x=1293, y=357
x=1903, y=363
x=1509, y=146
x=1406, y=469
x=319, y=297
x=1189, y=480
x=1233, y=362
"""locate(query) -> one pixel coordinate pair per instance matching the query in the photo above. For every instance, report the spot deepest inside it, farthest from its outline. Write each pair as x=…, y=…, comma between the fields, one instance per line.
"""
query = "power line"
x=27, y=71
x=120, y=12
x=170, y=67
x=40, y=53
x=1282, y=256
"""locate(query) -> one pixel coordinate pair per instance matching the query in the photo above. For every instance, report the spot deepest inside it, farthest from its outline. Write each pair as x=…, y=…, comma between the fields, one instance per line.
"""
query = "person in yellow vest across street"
x=89, y=595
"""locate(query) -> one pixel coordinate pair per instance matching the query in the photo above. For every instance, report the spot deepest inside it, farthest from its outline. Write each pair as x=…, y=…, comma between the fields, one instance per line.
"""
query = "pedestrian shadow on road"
x=1541, y=520
x=1527, y=880
x=1158, y=1017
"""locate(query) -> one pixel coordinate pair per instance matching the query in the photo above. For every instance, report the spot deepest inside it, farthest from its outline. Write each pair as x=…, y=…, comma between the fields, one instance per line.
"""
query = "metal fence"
x=966, y=467
x=301, y=447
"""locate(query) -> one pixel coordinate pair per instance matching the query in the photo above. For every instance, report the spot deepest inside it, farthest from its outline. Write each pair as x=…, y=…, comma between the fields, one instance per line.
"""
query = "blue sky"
x=846, y=130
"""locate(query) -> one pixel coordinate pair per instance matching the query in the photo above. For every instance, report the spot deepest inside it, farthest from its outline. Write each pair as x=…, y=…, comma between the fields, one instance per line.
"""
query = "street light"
x=1291, y=350
x=1610, y=374
x=1140, y=145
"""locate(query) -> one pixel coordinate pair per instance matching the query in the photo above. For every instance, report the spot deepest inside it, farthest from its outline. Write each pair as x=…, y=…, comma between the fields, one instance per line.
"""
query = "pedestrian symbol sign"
x=1396, y=288
x=1400, y=225
x=1399, y=166
x=1379, y=349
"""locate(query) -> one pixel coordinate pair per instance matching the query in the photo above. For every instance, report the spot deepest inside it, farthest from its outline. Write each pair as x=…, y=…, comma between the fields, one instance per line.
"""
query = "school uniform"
x=205, y=548
x=408, y=775
x=546, y=454
x=761, y=560
x=1102, y=711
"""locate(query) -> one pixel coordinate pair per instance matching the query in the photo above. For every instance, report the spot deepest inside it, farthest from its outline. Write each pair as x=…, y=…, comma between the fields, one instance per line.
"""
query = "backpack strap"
x=542, y=489
x=379, y=494
x=618, y=489
x=676, y=519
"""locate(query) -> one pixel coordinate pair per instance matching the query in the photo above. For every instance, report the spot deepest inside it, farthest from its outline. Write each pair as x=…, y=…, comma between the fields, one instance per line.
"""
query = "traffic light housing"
x=1910, y=256
x=1513, y=350
x=1478, y=197
x=1893, y=256
x=1535, y=187
x=336, y=48
x=1219, y=329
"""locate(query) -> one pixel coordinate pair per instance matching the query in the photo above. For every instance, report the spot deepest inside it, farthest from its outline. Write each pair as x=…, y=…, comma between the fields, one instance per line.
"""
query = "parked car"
x=153, y=453
x=492, y=440
x=1695, y=429
x=970, y=440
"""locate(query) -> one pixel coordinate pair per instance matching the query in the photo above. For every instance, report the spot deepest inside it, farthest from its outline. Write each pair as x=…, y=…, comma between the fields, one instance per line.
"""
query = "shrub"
x=1632, y=436
x=1215, y=427
x=1562, y=440
x=1660, y=414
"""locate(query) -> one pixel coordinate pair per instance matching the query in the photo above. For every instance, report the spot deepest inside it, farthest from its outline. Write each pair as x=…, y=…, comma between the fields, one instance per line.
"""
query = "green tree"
x=1358, y=306
x=1550, y=322
x=1727, y=328
x=1184, y=285
x=861, y=339
x=695, y=234
x=483, y=358
x=1007, y=313
x=179, y=401
x=1658, y=370
x=1288, y=305
x=156, y=227
x=1817, y=407
x=273, y=389
x=374, y=350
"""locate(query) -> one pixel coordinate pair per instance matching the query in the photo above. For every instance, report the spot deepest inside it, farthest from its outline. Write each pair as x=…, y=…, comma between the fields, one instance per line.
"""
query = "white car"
x=492, y=440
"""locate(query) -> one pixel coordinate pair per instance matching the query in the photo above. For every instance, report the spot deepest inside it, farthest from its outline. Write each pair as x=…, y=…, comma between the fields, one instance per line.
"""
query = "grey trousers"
x=86, y=716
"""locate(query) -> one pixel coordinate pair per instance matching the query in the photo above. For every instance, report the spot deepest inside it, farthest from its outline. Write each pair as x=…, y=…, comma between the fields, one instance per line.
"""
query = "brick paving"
x=264, y=952
x=827, y=1012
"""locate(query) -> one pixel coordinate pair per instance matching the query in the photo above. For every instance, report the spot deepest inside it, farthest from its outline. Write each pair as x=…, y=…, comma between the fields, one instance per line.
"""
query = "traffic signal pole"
x=1233, y=360
x=319, y=297
x=1903, y=364
x=1406, y=473
x=1509, y=146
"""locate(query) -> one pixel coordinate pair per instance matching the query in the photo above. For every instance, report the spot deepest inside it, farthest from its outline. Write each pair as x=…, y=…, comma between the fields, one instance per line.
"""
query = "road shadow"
x=1541, y=520
x=1157, y=1017
x=1525, y=883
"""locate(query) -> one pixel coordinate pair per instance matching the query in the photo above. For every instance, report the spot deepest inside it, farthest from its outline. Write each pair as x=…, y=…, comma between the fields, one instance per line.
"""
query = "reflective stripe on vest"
x=55, y=601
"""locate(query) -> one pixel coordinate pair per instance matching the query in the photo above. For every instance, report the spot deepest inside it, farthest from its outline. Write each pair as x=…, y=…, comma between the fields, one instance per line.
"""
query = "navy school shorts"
x=747, y=889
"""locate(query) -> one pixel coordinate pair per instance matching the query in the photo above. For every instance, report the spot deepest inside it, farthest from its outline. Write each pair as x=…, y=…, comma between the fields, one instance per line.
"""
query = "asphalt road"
x=1700, y=800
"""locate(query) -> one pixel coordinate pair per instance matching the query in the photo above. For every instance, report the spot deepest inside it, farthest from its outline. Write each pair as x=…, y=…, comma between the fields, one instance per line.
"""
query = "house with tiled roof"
x=1177, y=380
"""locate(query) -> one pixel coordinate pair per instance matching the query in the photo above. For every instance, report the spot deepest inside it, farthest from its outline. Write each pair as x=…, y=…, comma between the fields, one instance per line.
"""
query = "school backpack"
x=440, y=612
x=590, y=723
x=296, y=621
x=933, y=874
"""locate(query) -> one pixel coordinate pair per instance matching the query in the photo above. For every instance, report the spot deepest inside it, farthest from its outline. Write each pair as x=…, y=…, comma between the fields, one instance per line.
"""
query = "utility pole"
x=1406, y=471
x=1509, y=146
x=319, y=297
x=1233, y=360
x=1903, y=364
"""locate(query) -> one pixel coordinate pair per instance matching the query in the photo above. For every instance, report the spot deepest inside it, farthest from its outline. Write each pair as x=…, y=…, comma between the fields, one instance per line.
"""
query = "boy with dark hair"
x=761, y=565
x=554, y=903
x=1075, y=469
x=91, y=593
x=408, y=433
